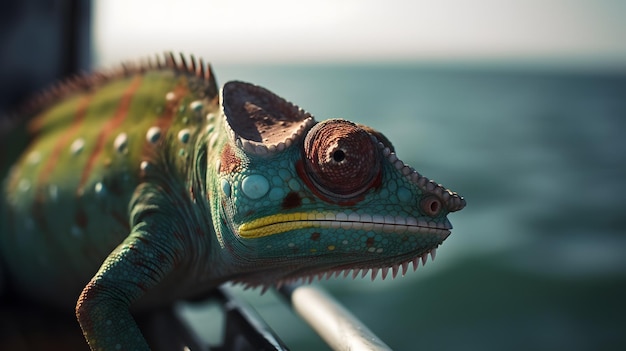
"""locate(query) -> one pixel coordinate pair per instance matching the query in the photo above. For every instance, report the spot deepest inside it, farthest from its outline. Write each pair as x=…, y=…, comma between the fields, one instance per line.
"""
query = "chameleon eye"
x=341, y=158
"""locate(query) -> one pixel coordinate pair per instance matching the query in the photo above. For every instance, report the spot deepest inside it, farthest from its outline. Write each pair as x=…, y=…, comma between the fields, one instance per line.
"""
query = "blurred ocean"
x=537, y=260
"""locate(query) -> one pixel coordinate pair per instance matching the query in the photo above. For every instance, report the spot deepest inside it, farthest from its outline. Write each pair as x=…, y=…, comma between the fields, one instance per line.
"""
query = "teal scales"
x=136, y=187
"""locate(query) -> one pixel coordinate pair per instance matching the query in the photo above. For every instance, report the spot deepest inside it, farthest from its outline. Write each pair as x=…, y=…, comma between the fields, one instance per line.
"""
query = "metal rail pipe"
x=340, y=329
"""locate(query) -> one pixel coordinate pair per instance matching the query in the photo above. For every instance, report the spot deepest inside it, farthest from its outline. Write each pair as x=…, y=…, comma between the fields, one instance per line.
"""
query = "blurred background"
x=518, y=106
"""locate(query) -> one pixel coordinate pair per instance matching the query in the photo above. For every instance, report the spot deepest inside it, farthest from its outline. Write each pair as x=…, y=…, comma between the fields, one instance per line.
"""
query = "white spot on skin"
x=24, y=185
x=196, y=106
x=153, y=135
x=121, y=142
x=210, y=117
x=144, y=165
x=77, y=146
x=34, y=157
x=183, y=136
x=99, y=189
x=170, y=96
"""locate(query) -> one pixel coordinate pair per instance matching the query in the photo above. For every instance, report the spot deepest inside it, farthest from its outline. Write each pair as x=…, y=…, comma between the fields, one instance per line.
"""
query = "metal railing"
x=245, y=329
x=334, y=323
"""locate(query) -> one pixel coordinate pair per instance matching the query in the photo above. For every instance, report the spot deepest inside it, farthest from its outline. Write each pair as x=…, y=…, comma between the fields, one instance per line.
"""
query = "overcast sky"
x=570, y=31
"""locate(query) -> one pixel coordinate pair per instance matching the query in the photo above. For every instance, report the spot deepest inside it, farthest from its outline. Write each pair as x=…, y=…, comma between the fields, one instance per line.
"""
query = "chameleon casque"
x=135, y=187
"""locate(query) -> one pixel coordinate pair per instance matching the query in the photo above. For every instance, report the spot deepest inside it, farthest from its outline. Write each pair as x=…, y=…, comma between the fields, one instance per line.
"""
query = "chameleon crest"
x=140, y=186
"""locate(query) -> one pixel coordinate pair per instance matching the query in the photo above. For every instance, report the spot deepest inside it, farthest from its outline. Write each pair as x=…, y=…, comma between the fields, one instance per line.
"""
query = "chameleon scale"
x=139, y=186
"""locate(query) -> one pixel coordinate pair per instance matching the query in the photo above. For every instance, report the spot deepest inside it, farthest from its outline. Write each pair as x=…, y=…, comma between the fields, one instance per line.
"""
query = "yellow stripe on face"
x=279, y=223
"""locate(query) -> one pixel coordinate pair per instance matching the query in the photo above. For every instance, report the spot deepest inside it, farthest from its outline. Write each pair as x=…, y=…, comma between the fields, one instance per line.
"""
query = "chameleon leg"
x=133, y=268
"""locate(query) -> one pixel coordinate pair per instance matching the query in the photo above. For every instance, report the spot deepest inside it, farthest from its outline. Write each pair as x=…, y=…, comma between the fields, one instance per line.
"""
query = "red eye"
x=341, y=158
x=431, y=206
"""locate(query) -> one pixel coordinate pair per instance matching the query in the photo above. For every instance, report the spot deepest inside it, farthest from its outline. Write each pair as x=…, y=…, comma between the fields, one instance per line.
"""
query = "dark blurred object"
x=42, y=41
x=27, y=325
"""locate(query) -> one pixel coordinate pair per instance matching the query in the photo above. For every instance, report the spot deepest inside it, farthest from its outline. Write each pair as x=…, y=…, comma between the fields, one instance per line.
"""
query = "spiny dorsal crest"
x=83, y=81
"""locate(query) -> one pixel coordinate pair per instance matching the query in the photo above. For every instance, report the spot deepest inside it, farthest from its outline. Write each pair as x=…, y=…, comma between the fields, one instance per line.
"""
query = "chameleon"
x=133, y=187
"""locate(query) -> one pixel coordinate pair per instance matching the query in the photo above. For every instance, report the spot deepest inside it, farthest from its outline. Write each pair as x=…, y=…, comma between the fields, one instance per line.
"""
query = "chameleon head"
x=301, y=198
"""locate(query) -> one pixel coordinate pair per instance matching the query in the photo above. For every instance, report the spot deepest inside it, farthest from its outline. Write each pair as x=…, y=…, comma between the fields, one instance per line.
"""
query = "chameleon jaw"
x=280, y=223
x=387, y=270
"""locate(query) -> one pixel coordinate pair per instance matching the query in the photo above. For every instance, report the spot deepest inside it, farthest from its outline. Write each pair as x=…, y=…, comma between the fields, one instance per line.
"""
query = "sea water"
x=537, y=259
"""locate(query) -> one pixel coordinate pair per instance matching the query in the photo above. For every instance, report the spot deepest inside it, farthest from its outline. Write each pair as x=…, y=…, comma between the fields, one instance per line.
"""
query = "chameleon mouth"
x=386, y=270
x=280, y=223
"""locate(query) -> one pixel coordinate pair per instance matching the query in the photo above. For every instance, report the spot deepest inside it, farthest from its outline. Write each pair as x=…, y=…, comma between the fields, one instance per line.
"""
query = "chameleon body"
x=140, y=186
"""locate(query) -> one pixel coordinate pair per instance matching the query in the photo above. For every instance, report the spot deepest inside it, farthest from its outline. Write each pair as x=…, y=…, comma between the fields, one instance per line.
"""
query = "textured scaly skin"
x=145, y=185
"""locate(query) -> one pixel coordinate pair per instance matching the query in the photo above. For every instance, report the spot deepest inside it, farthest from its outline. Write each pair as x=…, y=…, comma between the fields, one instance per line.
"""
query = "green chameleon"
x=143, y=185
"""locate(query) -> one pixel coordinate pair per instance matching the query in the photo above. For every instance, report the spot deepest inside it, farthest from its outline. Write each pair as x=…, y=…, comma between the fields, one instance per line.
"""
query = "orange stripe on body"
x=52, y=160
x=64, y=141
x=111, y=125
x=166, y=119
